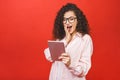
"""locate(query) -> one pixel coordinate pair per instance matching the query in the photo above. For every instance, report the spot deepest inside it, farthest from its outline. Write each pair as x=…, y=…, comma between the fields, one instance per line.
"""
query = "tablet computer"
x=56, y=49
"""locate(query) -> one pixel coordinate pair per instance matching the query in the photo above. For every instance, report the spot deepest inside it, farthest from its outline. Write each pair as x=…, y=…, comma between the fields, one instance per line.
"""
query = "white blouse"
x=80, y=50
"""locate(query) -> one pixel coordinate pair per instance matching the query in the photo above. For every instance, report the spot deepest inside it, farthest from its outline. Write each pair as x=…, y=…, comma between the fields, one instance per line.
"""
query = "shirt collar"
x=78, y=34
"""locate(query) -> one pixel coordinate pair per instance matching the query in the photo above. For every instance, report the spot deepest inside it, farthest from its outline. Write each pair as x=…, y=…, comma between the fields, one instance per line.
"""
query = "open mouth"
x=68, y=27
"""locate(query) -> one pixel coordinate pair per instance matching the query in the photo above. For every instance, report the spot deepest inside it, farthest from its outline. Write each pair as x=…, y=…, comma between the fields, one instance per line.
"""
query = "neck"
x=73, y=33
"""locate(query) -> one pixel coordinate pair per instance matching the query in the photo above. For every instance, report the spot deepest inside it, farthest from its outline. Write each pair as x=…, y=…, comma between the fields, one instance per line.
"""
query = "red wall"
x=26, y=25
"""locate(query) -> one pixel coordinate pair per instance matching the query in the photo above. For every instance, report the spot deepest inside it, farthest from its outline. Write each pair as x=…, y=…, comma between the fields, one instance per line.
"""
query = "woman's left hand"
x=65, y=59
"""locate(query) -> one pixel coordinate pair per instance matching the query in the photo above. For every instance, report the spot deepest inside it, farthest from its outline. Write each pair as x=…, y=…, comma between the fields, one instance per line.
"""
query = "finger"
x=64, y=54
x=66, y=58
x=66, y=31
x=64, y=61
x=68, y=35
x=61, y=57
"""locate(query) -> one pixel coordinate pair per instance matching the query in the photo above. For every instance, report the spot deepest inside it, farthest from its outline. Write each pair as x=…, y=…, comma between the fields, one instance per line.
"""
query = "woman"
x=71, y=27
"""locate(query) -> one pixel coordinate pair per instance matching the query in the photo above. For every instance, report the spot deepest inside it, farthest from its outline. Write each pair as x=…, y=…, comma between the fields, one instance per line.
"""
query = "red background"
x=26, y=25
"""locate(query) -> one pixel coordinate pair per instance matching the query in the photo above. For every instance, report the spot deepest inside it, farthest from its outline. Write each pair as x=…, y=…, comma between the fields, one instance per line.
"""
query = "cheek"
x=63, y=25
x=74, y=26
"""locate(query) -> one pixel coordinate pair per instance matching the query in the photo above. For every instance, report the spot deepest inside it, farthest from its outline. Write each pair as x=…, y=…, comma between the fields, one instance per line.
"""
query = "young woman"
x=71, y=27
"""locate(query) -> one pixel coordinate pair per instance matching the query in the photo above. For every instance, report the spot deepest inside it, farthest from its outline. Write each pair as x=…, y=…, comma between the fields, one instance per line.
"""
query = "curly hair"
x=82, y=25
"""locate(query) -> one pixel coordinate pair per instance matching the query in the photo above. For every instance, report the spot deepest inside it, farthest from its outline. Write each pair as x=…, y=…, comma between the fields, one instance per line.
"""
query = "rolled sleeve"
x=47, y=54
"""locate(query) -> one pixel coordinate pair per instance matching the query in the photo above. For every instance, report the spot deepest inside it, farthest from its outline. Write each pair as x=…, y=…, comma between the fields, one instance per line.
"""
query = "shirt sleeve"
x=47, y=54
x=84, y=64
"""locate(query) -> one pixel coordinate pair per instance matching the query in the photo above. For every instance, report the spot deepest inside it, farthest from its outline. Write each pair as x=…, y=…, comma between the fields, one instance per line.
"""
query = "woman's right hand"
x=68, y=35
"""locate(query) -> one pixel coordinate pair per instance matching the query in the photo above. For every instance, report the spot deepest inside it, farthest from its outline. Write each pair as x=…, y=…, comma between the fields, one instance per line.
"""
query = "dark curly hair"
x=82, y=25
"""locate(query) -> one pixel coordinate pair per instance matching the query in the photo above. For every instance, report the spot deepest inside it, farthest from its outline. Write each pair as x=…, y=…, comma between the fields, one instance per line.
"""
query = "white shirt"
x=80, y=50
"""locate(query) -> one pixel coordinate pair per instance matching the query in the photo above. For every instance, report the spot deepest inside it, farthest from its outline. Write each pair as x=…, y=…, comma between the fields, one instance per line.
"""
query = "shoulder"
x=86, y=37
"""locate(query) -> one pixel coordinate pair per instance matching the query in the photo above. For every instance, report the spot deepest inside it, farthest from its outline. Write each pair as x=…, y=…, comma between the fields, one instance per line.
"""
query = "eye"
x=64, y=19
x=71, y=18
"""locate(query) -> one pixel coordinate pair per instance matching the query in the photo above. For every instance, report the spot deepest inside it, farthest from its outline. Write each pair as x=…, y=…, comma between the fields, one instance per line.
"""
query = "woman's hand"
x=65, y=59
x=68, y=35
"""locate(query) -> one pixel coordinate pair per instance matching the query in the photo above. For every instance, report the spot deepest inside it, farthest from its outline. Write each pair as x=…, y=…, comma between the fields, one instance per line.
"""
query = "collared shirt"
x=80, y=50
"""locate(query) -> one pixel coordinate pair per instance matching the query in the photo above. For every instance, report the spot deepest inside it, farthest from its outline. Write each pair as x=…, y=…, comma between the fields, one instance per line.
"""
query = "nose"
x=67, y=22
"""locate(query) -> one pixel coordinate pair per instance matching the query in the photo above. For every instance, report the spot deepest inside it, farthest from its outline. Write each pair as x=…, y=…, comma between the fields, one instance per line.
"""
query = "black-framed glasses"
x=70, y=19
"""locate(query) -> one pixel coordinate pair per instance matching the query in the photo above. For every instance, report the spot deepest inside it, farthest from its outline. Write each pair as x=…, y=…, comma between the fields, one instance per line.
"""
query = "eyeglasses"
x=70, y=19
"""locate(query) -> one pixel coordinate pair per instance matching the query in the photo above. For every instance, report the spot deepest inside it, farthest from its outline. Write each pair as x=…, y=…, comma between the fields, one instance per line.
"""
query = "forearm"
x=47, y=54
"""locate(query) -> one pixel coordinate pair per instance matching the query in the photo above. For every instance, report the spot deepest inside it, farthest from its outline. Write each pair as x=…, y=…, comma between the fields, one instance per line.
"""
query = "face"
x=70, y=21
